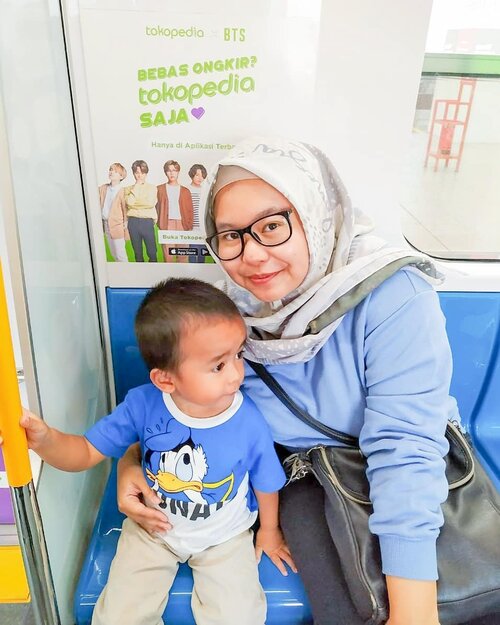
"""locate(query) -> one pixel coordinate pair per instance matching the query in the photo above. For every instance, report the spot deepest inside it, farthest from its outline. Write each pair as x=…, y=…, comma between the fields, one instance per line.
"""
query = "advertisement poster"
x=169, y=93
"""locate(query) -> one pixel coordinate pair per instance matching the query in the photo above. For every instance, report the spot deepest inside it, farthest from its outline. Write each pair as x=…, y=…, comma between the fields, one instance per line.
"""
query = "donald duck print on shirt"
x=181, y=467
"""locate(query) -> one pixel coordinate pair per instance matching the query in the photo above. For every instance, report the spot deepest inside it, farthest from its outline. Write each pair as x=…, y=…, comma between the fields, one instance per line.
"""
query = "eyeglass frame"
x=248, y=230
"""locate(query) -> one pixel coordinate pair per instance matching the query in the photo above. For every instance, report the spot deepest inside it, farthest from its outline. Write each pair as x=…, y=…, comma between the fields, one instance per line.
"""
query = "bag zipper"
x=454, y=431
x=335, y=480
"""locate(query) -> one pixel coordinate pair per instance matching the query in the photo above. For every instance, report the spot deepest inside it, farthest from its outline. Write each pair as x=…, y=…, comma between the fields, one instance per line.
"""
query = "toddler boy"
x=207, y=453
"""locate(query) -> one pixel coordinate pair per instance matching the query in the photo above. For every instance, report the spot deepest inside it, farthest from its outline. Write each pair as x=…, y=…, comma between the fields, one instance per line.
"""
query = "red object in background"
x=450, y=119
x=445, y=139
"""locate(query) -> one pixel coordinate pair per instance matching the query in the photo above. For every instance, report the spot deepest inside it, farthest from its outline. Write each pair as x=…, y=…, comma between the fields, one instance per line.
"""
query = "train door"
x=51, y=273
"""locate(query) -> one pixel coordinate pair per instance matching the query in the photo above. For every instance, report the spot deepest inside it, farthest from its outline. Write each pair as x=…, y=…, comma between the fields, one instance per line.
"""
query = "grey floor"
x=16, y=614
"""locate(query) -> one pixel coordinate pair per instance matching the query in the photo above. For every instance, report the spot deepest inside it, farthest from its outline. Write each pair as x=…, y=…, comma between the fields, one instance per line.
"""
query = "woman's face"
x=269, y=273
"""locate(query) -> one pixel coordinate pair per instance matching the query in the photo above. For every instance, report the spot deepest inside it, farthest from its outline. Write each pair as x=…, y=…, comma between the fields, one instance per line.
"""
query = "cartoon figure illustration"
x=140, y=201
x=113, y=211
x=198, y=174
x=175, y=210
x=181, y=468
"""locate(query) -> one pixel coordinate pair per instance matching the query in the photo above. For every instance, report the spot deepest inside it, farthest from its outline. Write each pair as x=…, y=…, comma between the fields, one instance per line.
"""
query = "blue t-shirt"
x=201, y=468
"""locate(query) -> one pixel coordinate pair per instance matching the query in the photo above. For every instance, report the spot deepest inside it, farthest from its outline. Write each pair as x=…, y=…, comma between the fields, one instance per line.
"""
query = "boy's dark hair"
x=165, y=312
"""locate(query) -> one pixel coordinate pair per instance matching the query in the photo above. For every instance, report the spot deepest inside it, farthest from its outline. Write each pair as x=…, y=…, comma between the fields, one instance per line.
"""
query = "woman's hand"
x=432, y=621
x=272, y=543
x=412, y=602
x=133, y=491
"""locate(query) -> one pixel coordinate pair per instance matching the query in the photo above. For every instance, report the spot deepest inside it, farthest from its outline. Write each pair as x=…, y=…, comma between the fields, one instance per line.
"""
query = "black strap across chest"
x=282, y=395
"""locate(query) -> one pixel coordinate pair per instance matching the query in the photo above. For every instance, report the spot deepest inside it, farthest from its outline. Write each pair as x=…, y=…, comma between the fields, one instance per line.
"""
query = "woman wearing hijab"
x=352, y=330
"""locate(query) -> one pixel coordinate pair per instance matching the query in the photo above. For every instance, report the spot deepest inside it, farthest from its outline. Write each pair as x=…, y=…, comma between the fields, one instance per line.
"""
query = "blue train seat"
x=473, y=325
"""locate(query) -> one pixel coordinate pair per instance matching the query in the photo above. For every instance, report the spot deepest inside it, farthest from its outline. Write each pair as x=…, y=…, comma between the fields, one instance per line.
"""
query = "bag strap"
x=358, y=293
x=282, y=395
x=458, y=442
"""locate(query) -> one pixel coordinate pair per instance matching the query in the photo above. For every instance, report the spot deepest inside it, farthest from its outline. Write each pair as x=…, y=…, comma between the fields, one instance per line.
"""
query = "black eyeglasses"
x=270, y=231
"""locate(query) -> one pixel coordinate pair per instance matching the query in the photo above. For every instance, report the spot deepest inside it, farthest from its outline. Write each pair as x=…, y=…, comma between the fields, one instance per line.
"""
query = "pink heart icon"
x=198, y=113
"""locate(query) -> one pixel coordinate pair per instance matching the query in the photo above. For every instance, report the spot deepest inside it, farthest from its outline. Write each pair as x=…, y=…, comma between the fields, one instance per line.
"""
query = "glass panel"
x=464, y=27
x=451, y=169
x=58, y=276
x=451, y=173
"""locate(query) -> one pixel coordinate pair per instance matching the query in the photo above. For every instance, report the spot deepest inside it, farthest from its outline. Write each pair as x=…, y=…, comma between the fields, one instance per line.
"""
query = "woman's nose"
x=253, y=251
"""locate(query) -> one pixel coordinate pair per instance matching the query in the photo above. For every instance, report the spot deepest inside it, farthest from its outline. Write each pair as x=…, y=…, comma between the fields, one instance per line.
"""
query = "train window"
x=450, y=196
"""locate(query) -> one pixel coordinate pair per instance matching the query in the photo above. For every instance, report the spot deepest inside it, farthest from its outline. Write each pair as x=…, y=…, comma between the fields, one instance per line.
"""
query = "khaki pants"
x=226, y=588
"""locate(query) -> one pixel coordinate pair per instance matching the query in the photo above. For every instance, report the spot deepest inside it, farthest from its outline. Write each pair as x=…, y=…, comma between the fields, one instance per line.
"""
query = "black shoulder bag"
x=468, y=547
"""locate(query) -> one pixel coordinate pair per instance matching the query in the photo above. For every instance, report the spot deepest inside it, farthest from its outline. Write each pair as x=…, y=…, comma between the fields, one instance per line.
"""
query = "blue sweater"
x=384, y=375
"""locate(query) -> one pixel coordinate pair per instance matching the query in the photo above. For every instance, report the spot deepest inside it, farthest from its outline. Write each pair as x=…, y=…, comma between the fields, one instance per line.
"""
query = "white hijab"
x=345, y=261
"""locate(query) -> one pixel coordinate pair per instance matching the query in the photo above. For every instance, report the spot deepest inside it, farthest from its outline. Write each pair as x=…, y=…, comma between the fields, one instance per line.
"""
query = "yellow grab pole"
x=15, y=447
x=17, y=465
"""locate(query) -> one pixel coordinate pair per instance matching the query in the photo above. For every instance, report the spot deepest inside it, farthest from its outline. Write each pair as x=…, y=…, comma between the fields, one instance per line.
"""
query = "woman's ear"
x=162, y=380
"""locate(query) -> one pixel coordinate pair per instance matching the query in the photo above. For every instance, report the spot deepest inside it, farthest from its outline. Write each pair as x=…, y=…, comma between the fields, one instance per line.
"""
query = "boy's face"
x=211, y=366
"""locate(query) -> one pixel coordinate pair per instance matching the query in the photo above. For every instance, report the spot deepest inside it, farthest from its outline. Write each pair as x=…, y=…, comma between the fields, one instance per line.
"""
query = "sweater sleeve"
x=407, y=374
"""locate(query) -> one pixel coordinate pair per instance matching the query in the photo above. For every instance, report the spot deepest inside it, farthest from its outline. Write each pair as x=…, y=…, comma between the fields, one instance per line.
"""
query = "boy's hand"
x=37, y=430
x=272, y=543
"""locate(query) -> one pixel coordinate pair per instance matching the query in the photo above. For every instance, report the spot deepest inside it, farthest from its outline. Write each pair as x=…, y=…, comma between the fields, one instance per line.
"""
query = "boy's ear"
x=162, y=380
